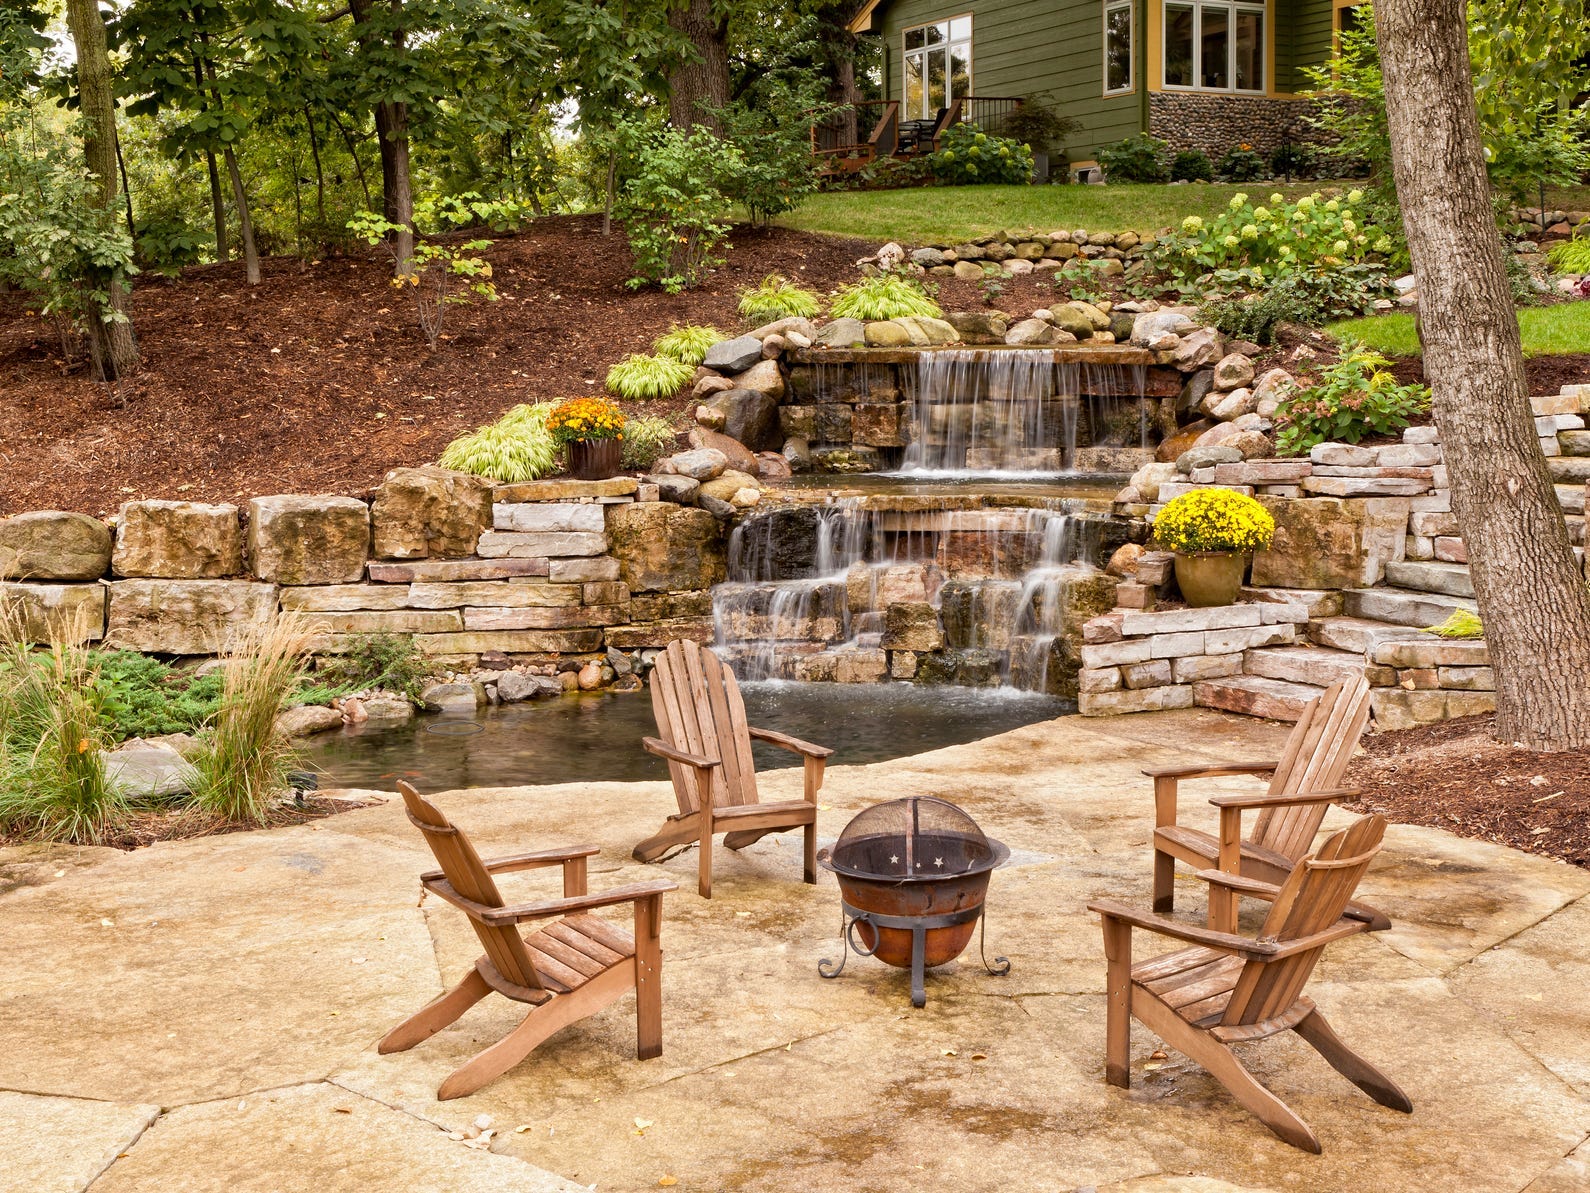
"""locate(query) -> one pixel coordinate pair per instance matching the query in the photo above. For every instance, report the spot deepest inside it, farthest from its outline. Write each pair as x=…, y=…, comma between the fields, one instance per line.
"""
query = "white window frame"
x=1113, y=6
x=1231, y=8
x=947, y=46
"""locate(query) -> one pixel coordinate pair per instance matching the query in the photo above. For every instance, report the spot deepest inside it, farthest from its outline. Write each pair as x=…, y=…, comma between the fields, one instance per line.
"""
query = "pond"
x=596, y=737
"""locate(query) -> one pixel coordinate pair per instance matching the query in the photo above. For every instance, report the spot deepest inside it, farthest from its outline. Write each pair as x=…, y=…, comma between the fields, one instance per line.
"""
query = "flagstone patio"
x=202, y=1015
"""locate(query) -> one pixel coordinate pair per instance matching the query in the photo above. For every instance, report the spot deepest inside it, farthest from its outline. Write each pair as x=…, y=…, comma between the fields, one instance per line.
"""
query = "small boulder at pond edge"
x=733, y=356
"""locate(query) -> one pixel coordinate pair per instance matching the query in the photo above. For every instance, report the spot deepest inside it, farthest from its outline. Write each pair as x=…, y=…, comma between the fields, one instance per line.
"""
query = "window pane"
x=1179, y=45
x=961, y=29
x=914, y=39
x=937, y=34
x=960, y=72
x=1214, y=44
x=1118, y=49
x=913, y=87
x=935, y=83
x=1250, y=51
x=1351, y=22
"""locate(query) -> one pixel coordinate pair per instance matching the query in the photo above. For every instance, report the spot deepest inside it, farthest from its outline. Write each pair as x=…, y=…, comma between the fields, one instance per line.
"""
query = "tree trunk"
x=217, y=205
x=320, y=173
x=110, y=332
x=698, y=87
x=611, y=193
x=1532, y=599
x=397, y=197
x=244, y=219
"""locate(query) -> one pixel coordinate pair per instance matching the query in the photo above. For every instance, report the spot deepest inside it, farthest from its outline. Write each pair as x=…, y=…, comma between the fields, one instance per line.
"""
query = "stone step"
x=1358, y=635
x=1569, y=470
x=1255, y=696
x=1400, y=607
x=1446, y=579
x=1319, y=666
x=1571, y=498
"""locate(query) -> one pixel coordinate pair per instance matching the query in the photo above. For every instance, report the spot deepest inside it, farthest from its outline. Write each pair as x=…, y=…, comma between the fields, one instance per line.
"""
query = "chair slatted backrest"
x=1315, y=759
x=462, y=867
x=1311, y=900
x=699, y=709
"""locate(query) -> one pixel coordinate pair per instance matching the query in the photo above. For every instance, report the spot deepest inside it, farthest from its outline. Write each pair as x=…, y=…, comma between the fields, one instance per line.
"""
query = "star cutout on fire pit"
x=938, y=861
x=894, y=859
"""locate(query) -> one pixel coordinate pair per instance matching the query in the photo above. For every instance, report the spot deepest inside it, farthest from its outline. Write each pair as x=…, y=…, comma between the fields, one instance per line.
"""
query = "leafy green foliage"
x=1242, y=164
x=517, y=447
x=1293, y=159
x=1460, y=623
x=1191, y=165
x=687, y=344
x=646, y=440
x=1038, y=124
x=675, y=206
x=777, y=298
x=775, y=171
x=142, y=697
x=1256, y=317
x=887, y=296
x=968, y=155
x=1571, y=256
x=389, y=661
x=1140, y=158
x=1355, y=397
x=641, y=378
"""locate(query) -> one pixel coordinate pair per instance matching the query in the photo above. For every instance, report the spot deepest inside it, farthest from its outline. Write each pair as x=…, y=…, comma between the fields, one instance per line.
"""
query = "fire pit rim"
x=999, y=854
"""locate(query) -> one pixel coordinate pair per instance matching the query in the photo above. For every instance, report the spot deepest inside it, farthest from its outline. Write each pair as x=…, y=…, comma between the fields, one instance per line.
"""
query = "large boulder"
x=927, y=331
x=55, y=612
x=735, y=453
x=750, y=416
x=53, y=545
x=430, y=512
x=680, y=490
x=1069, y=318
x=1197, y=350
x=886, y=333
x=842, y=333
x=1234, y=371
x=298, y=539
x=724, y=487
x=798, y=324
x=1331, y=542
x=912, y=626
x=185, y=616
x=1147, y=479
x=306, y=720
x=178, y=540
x=1152, y=325
x=1096, y=318
x=1030, y=332
x=764, y=377
x=733, y=356
x=698, y=464
x=1270, y=390
x=979, y=327
x=666, y=548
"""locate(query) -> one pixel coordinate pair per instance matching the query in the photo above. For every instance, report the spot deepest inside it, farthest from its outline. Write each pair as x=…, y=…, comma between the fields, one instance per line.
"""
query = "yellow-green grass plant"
x=517, y=447
x=645, y=440
x=53, y=785
x=687, y=343
x=886, y=296
x=1460, y=623
x=639, y=378
x=778, y=298
x=240, y=769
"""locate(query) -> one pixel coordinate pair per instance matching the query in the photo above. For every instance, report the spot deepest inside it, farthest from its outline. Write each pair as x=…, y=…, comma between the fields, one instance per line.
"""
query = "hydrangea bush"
x=967, y=155
x=1275, y=239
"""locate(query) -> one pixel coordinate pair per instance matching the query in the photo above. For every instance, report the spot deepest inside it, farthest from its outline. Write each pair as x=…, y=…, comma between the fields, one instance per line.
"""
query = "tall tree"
x=1532, y=598
x=383, y=40
x=698, y=82
x=111, y=335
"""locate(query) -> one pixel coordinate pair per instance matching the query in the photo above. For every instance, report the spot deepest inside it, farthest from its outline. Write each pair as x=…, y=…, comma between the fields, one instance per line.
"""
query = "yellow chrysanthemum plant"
x=1214, y=520
x=585, y=419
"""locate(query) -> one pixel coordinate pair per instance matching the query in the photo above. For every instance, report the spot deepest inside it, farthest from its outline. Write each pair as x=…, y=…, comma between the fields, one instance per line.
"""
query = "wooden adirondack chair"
x=703, y=733
x=1303, y=784
x=1231, y=989
x=566, y=971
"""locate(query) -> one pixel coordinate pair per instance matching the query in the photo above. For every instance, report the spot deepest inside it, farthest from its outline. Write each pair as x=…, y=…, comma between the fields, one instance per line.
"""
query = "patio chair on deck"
x=566, y=971
x=703, y=733
x=1230, y=989
x=1303, y=784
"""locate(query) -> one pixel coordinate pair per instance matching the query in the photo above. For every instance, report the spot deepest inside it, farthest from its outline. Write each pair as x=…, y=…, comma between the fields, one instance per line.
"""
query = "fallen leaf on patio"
x=641, y=1124
x=979, y=1056
x=343, y=1109
x=667, y=1182
x=1158, y=1054
x=521, y=1128
x=1150, y=1066
x=948, y=1052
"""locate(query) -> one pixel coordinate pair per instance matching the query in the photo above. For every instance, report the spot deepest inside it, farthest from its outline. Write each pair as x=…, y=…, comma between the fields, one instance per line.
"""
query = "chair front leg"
x=1118, y=991
x=574, y=877
x=1164, y=863
x=648, y=977
x=704, y=862
x=1222, y=899
x=813, y=784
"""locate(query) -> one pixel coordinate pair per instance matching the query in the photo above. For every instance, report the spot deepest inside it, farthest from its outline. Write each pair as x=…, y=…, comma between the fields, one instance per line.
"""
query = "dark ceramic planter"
x=595, y=459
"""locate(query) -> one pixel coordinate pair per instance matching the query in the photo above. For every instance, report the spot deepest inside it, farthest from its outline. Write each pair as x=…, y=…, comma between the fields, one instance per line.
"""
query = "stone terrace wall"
x=537, y=570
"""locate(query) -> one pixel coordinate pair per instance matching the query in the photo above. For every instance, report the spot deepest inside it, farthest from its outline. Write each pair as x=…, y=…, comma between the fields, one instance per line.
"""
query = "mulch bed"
x=1545, y=374
x=147, y=826
x=1455, y=776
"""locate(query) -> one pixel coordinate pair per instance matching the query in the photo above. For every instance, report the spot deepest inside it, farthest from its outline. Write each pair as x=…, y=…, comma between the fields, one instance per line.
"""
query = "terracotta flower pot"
x=1210, y=577
x=595, y=459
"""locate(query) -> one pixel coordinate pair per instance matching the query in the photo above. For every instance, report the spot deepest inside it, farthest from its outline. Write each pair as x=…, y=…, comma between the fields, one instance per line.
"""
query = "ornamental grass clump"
x=687, y=344
x=887, y=296
x=1461, y=623
x=646, y=439
x=640, y=378
x=577, y=420
x=1214, y=520
x=517, y=447
x=778, y=298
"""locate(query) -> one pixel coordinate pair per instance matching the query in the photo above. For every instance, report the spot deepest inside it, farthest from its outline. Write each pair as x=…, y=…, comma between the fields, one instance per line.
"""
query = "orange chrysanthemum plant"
x=585, y=419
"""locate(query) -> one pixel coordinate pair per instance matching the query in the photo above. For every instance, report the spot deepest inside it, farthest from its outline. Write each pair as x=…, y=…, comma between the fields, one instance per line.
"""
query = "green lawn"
x=946, y=214
x=1547, y=331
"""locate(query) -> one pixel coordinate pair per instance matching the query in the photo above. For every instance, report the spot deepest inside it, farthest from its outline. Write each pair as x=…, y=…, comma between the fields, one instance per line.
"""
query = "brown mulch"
x=318, y=380
x=1545, y=374
x=148, y=826
x=1455, y=776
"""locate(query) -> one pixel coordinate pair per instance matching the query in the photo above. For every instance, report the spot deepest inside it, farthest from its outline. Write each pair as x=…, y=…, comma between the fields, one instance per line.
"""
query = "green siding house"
x=1207, y=74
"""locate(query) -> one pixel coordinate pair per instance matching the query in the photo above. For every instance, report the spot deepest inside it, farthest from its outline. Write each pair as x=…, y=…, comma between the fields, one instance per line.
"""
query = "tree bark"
x=1532, y=598
x=392, y=132
x=698, y=87
x=114, y=345
x=217, y=205
x=245, y=221
x=320, y=173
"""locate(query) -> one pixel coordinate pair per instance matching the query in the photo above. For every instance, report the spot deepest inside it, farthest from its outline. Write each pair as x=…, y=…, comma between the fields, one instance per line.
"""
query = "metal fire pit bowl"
x=913, y=874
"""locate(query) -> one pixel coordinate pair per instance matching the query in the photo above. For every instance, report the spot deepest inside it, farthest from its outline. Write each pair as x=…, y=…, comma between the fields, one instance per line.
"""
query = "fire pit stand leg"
x=918, y=926
x=918, y=956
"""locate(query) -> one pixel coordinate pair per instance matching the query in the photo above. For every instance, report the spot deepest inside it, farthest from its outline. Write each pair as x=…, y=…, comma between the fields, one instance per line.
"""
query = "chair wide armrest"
x=1226, y=942
x=1236, y=882
x=545, y=857
x=662, y=749
x=1211, y=770
x=1288, y=800
x=785, y=742
x=556, y=907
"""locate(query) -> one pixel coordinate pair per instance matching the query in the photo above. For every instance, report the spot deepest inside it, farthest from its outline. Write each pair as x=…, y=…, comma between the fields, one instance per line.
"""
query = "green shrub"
x=1242, y=164
x=776, y=171
x=687, y=344
x=1256, y=317
x=517, y=447
x=53, y=785
x=1136, y=159
x=675, y=207
x=641, y=378
x=1191, y=165
x=645, y=440
x=1293, y=160
x=778, y=298
x=390, y=661
x=142, y=697
x=887, y=296
x=1038, y=125
x=1355, y=397
x=1571, y=256
x=967, y=155
x=240, y=769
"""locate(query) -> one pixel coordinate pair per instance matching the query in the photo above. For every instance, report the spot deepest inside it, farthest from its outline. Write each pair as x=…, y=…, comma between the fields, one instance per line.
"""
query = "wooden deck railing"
x=839, y=136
